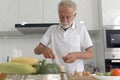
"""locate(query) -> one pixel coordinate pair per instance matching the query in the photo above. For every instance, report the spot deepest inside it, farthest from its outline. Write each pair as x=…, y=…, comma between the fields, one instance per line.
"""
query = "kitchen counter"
x=37, y=77
x=45, y=77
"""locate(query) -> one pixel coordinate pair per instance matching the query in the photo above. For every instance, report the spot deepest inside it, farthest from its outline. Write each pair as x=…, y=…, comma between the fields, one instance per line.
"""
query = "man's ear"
x=75, y=14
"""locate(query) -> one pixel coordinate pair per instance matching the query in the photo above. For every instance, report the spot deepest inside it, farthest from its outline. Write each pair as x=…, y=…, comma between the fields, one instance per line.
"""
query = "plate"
x=34, y=77
x=107, y=77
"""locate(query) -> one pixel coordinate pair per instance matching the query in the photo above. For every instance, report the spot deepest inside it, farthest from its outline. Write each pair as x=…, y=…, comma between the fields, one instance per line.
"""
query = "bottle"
x=7, y=58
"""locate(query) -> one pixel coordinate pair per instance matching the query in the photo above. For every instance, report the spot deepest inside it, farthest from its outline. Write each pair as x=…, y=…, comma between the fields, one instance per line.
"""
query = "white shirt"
x=63, y=42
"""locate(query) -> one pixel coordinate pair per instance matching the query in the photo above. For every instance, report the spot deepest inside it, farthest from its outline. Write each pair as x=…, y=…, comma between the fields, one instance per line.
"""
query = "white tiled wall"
x=14, y=46
x=18, y=46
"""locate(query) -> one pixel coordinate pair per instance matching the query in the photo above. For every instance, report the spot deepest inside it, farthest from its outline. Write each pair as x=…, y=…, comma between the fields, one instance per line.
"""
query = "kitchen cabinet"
x=87, y=13
x=8, y=14
x=46, y=11
x=31, y=11
x=110, y=12
x=39, y=11
x=51, y=11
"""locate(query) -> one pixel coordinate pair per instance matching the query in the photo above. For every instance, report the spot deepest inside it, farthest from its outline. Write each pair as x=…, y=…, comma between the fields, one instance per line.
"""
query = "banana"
x=26, y=60
x=16, y=68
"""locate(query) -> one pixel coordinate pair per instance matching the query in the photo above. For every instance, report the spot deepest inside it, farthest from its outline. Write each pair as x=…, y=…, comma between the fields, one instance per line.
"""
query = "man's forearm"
x=86, y=55
x=39, y=49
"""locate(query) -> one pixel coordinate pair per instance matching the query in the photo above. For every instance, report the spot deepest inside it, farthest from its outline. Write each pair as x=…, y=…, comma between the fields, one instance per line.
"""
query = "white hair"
x=67, y=3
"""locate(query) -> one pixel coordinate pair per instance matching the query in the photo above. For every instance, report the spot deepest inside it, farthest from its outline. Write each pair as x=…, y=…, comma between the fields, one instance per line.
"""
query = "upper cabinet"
x=31, y=11
x=44, y=11
x=38, y=11
x=51, y=11
x=110, y=12
x=8, y=14
x=87, y=13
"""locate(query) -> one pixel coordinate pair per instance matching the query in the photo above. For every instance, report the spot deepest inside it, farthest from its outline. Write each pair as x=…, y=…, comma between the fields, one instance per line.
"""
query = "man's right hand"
x=47, y=52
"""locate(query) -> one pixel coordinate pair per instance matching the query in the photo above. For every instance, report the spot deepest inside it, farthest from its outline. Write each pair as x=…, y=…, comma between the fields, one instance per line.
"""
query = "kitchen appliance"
x=112, y=47
x=33, y=28
x=111, y=64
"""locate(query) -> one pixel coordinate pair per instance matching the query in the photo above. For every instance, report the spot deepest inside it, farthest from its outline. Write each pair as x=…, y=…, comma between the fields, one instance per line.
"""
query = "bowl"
x=107, y=77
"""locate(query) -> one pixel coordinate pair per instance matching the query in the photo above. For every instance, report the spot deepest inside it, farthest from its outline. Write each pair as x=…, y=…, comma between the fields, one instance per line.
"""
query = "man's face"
x=66, y=16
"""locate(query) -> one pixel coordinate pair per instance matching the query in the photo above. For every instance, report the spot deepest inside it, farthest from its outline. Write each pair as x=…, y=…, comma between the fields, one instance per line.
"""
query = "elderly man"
x=67, y=40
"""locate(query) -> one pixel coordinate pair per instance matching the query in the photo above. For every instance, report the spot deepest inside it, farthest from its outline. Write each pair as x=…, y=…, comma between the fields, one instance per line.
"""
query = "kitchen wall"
x=14, y=46
x=23, y=45
x=93, y=61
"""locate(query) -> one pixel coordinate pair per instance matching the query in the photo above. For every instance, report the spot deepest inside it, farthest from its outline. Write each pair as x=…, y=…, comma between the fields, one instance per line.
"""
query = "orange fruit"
x=115, y=72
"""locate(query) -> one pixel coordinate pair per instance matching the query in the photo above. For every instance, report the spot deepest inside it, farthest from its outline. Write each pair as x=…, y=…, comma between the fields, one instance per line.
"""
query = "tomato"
x=115, y=72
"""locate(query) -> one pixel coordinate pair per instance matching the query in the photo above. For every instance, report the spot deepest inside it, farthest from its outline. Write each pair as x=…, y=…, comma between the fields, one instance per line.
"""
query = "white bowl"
x=107, y=77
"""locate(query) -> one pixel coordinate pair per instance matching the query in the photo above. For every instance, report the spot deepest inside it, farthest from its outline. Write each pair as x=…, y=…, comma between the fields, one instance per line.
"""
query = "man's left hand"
x=71, y=57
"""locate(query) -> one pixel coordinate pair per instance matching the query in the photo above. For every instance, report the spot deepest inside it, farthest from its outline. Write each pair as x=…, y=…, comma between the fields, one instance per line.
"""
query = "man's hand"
x=48, y=53
x=71, y=57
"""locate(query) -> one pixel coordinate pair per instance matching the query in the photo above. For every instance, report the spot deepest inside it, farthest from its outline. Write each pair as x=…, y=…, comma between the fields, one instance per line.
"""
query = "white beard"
x=65, y=25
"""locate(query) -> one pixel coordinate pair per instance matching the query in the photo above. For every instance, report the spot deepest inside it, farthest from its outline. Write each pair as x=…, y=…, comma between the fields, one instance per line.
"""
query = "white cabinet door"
x=87, y=12
x=51, y=11
x=8, y=14
x=31, y=11
x=110, y=12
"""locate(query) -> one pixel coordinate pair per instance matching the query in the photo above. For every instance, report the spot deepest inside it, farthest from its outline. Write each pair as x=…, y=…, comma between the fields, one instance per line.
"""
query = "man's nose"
x=64, y=19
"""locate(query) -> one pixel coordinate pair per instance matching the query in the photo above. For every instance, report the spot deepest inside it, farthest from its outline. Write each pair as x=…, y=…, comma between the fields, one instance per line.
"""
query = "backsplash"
x=24, y=45
x=18, y=46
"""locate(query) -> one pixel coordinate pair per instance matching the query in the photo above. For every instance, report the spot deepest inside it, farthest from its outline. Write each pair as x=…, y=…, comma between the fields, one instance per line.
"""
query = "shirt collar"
x=72, y=27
